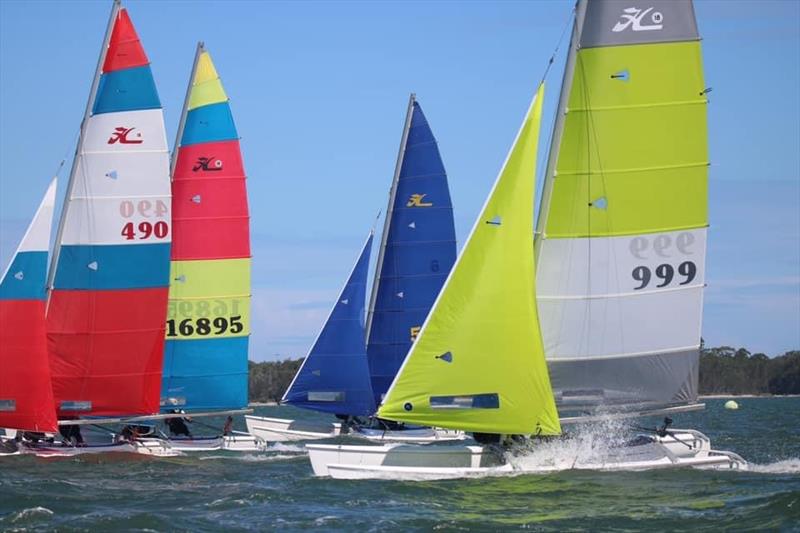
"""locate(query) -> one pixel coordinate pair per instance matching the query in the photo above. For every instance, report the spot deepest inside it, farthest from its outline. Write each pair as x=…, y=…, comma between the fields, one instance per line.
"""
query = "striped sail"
x=26, y=394
x=334, y=377
x=208, y=322
x=110, y=273
x=621, y=253
x=478, y=364
x=417, y=251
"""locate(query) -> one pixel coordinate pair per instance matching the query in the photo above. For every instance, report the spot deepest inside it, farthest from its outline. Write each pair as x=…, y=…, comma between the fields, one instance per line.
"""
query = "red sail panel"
x=210, y=216
x=117, y=370
x=25, y=375
x=124, y=49
x=221, y=159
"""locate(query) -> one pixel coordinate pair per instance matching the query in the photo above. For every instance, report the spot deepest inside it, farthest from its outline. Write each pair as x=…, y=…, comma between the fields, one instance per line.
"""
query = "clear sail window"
x=471, y=401
x=68, y=405
x=325, y=396
x=8, y=405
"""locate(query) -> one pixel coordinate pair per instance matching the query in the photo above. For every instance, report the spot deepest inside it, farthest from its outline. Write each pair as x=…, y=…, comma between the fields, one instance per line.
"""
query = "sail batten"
x=478, y=363
x=208, y=317
x=622, y=229
x=110, y=268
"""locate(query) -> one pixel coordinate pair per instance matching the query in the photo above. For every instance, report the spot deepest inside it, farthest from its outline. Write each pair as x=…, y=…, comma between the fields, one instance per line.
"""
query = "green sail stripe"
x=478, y=363
x=634, y=151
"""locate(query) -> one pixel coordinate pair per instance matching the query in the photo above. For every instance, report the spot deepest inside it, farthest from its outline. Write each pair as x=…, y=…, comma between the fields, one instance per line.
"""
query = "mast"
x=558, y=126
x=389, y=211
x=182, y=123
x=79, y=148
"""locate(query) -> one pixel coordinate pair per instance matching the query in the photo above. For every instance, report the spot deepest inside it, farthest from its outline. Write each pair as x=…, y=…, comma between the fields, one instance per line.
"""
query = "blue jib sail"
x=334, y=377
x=419, y=251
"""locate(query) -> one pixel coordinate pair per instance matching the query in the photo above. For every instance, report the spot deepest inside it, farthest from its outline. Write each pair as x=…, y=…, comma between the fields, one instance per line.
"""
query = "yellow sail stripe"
x=209, y=299
x=634, y=153
x=206, y=87
x=478, y=363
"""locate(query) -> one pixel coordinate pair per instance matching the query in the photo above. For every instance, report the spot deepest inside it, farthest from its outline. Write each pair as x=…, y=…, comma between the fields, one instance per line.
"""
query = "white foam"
x=289, y=448
x=32, y=512
x=786, y=466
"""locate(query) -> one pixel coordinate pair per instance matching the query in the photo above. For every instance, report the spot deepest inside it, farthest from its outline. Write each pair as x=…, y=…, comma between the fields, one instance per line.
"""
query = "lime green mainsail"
x=478, y=363
x=622, y=229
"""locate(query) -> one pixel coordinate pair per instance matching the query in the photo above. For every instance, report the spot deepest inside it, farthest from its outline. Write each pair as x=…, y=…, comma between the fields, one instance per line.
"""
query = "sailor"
x=177, y=426
x=71, y=434
x=227, y=429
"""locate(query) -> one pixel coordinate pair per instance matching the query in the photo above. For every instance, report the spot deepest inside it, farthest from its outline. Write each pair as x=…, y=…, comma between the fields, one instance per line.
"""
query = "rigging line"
x=558, y=44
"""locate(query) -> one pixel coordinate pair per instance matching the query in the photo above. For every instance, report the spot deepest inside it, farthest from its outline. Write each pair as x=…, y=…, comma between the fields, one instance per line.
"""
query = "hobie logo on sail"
x=207, y=164
x=416, y=200
x=632, y=18
x=120, y=136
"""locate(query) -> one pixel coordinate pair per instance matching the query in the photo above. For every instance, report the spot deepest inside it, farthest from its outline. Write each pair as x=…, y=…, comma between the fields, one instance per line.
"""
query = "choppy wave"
x=289, y=448
x=31, y=514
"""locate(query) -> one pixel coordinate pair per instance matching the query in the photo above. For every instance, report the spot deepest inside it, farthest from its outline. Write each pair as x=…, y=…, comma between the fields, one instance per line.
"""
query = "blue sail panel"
x=335, y=376
x=419, y=252
x=205, y=374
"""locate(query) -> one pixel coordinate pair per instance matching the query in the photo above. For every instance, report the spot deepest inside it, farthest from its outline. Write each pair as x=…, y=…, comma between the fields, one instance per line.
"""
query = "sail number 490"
x=144, y=230
x=204, y=326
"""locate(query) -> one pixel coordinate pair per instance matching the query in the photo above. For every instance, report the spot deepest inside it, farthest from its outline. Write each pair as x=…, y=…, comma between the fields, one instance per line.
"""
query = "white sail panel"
x=127, y=131
x=617, y=266
x=118, y=220
x=119, y=174
x=590, y=328
x=37, y=238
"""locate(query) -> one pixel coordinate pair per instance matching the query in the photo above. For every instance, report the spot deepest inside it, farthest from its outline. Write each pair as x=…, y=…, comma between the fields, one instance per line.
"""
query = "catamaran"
x=109, y=271
x=416, y=253
x=208, y=319
x=616, y=307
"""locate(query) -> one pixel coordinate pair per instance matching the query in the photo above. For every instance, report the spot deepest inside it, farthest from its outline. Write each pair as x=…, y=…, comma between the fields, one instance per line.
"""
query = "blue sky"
x=319, y=92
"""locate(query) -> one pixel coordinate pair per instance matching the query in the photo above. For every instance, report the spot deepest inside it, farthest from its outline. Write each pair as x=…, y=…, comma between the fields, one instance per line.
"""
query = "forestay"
x=208, y=322
x=109, y=278
x=621, y=253
x=334, y=377
x=26, y=394
x=478, y=363
x=417, y=251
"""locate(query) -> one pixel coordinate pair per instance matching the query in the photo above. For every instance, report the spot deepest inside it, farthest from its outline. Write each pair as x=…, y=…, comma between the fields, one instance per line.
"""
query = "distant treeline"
x=726, y=370
x=723, y=370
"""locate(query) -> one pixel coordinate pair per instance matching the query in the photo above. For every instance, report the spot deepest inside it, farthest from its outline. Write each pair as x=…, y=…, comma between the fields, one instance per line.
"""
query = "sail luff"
x=558, y=125
x=184, y=110
x=79, y=148
x=389, y=211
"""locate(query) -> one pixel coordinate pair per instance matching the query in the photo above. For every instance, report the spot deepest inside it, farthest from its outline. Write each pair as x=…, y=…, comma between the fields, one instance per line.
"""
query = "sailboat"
x=208, y=320
x=26, y=395
x=109, y=274
x=620, y=242
x=416, y=253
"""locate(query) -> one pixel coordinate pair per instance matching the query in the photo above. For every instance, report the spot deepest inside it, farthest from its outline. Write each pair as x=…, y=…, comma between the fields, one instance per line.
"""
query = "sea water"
x=275, y=489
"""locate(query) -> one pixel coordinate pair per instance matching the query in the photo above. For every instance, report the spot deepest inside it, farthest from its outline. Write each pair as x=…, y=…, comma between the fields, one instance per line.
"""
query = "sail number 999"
x=204, y=326
x=665, y=273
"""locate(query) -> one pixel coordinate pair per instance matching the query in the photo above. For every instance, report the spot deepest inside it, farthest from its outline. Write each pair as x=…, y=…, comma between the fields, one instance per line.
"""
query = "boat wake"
x=786, y=466
x=252, y=457
x=586, y=445
x=289, y=448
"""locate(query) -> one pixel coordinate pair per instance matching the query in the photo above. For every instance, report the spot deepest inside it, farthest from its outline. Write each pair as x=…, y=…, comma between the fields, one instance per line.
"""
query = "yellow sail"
x=478, y=363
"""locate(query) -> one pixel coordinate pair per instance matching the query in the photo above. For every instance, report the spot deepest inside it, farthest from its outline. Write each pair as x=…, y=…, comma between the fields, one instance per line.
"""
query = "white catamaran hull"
x=685, y=448
x=240, y=442
x=281, y=430
x=145, y=447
